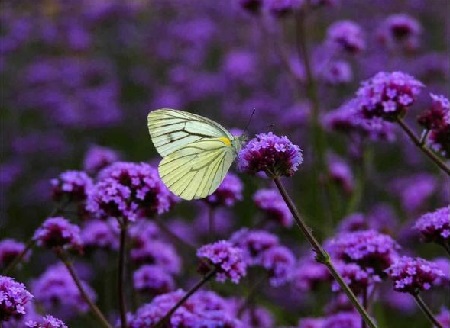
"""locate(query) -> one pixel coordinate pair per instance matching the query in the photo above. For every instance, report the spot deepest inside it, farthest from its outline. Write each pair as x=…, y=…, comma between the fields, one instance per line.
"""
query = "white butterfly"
x=197, y=152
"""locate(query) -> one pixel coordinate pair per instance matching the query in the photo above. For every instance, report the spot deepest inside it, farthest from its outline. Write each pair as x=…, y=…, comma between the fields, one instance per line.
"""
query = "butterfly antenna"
x=250, y=120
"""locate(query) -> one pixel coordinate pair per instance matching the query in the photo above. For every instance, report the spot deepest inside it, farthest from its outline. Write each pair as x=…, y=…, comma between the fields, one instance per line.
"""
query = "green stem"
x=95, y=310
x=446, y=247
x=426, y=310
x=166, y=319
x=121, y=273
x=423, y=147
x=321, y=255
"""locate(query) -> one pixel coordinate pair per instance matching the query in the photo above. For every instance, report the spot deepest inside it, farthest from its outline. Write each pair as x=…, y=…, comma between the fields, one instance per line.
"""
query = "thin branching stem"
x=430, y=154
x=95, y=310
x=321, y=255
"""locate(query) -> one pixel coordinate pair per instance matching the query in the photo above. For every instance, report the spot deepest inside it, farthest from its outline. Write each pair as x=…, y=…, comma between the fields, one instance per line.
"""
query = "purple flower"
x=157, y=253
x=13, y=299
x=58, y=232
x=252, y=6
x=412, y=275
x=350, y=120
x=254, y=243
x=438, y=115
x=343, y=320
x=71, y=185
x=280, y=262
x=388, y=95
x=46, y=322
x=130, y=191
x=402, y=30
x=274, y=207
x=346, y=36
x=276, y=156
x=435, y=226
x=281, y=8
x=372, y=250
x=444, y=317
x=240, y=66
x=9, y=250
x=355, y=277
x=153, y=279
x=227, y=259
x=228, y=193
x=311, y=323
x=337, y=72
x=100, y=234
x=97, y=158
x=257, y=317
x=340, y=173
x=309, y=275
x=57, y=292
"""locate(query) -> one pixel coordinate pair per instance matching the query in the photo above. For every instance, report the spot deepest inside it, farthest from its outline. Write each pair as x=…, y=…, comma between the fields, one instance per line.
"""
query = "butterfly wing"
x=171, y=129
x=196, y=170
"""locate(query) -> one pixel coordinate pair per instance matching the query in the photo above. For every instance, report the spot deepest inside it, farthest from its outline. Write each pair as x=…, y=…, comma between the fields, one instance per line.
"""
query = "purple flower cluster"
x=228, y=193
x=388, y=95
x=435, y=226
x=130, y=191
x=100, y=234
x=46, y=322
x=273, y=206
x=309, y=274
x=400, y=30
x=158, y=253
x=97, y=158
x=261, y=248
x=58, y=232
x=71, y=185
x=412, y=275
x=340, y=173
x=280, y=8
x=276, y=156
x=58, y=293
x=371, y=250
x=9, y=250
x=13, y=299
x=227, y=259
x=346, y=36
x=355, y=277
x=153, y=279
x=203, y=309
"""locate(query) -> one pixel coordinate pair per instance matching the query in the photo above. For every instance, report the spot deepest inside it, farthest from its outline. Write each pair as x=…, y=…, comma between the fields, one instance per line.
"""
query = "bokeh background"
x=76, y=75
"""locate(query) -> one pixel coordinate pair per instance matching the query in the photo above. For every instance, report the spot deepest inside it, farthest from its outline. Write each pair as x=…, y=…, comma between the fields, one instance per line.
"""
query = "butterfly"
x=197, y=152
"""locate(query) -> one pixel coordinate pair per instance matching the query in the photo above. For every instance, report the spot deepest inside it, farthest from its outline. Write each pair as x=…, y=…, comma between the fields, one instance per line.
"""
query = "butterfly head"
x=238, y=141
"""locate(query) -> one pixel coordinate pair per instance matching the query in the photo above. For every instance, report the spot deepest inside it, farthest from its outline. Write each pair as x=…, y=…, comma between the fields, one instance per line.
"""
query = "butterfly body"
x=197, y=152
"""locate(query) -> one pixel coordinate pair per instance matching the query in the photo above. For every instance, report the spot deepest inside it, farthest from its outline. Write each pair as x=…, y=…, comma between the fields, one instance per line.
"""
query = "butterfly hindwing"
x=197, y=169
x=171, y=130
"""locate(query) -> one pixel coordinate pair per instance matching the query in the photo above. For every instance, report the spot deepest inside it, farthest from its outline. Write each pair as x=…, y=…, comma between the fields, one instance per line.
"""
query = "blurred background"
x=78, y=75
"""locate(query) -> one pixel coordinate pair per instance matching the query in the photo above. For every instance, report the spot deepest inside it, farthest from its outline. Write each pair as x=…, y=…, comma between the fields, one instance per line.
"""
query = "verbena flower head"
x=9, y=250
x=58, y=293
x=435, y=226
x=340, y=173
x=347, y=36
x=97, y=158
x=438, y=115
x=355, y=277
x=71, y=186
x=444, y=317
x=274, y=207
x=371, y=250
x=226, y=258
x=388, y=95
x=309, y=275
x=228, y=193
x=400, y=30
x=343, y=320
x=310, y=322
x=350, y=120
x=130, y=191
x=412, y=275
x=153, y=279
x=13, y=299
x=251, y=6
x=58, y=232
x=337, y=72
x=158, y=253
x=281, y=8
x=280, y=262
x=46, y=322
x=276, y=156
x=100, y=234
x=254, y=243
x=257, y=317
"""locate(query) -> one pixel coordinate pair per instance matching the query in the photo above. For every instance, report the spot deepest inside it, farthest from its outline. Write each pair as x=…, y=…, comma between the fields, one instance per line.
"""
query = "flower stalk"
x=121, y=273
x=426, y=310
x=95, y=310
x=321, y=255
